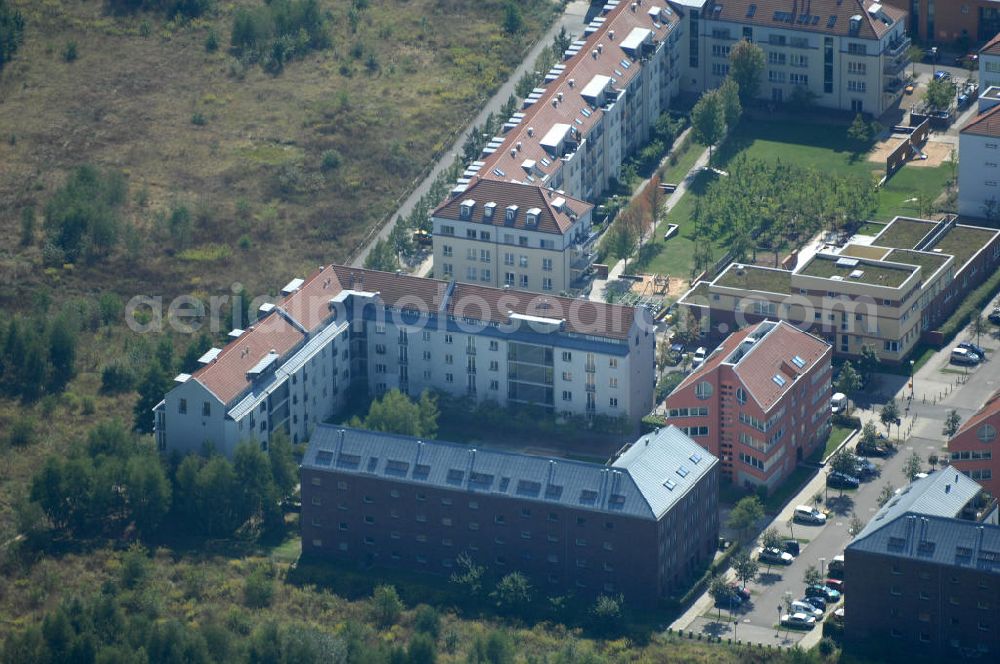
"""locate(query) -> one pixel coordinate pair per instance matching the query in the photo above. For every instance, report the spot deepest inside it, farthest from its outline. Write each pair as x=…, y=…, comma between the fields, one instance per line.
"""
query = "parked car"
x=873, y=450
x=838, y=615
x=836, y=567
x=842, y=481
x=963, y=357
x=941, y=75
x=838, y=403
x=909, y=88
x=775, y=557
x=677, y=348
x=829, y=594
x=971, y=347
x=994, y=316
x=799, y=606
x=817, y=601
x=836, y=584
x=798, y=621
x=810, y=515
x=699, y=357
x=792, y=547
x=732, y=600
x=742, y=593
x=864, y=468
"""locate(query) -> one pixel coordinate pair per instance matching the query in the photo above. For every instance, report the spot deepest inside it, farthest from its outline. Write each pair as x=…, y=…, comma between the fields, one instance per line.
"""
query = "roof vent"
x=559, y=96
x=634, y=5
x=593, y=53
x=611, y=35
x=518, y=146
x=856, y=274
x=572, y=82
x=600, y=48
x=531, y=132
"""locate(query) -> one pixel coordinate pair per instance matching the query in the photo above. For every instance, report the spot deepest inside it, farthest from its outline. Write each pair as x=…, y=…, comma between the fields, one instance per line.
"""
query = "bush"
x=971, y=305
x=386, y=606
x=330, y=160
x=258, y=591
x=135, y=567
x=116, y=379
x=212, y=42
x=198, y=118
x=69, y=53
x=22, y=432
x=426, y=619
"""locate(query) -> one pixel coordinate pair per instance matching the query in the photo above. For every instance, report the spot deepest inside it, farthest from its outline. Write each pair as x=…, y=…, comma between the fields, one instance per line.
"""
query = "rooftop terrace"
x=749, y=277
x=826, y=267
x=904, y=233
x=929, y=263
x=963, y=242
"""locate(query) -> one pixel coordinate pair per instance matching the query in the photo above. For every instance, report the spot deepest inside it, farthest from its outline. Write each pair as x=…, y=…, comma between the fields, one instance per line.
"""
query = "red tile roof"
x=992, y=47
x=990, y=409
x=772, y=356
x=309, y=306
x=569, y=105
x=790, y=14
x=985, y=124
x=717, y=357
x=524, y=196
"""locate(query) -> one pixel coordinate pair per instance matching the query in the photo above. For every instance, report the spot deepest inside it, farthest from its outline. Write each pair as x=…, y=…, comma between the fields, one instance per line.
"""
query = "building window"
x=703, y=390
x=182, y=406
x=206, y=409
x=613, y=402
x=546, y=283
x=987, y=433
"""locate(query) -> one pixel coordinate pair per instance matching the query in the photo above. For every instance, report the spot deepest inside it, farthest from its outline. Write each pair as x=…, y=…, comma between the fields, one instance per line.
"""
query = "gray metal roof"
x=643, y=483
x=935, y=539
x=942, y=494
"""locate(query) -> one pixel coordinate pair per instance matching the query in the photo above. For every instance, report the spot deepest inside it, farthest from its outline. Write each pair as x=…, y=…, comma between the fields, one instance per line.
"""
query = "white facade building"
x=989, y=64
x=352, y=329
x=979, y=167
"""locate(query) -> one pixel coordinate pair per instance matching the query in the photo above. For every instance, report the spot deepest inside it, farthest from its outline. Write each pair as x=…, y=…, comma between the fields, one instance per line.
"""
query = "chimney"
x=594, y=53
x=572, y=82
x=634, y=6
x=518, y=146
x=600, y=48
x=611, y=35
x=559, y=95
x=531, y=132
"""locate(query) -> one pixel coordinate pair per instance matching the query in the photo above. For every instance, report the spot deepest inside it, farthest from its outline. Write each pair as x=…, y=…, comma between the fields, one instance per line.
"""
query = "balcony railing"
x=897, y=48
x=590, y=368
x=893, y=67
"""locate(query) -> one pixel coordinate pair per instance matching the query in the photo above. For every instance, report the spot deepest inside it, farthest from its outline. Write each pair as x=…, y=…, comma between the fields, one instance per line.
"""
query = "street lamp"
x=822, y=567
x=911, y=379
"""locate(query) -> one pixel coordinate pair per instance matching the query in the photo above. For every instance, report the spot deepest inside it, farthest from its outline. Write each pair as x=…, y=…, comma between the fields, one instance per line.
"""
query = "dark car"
x=836, y=584
x=791, y=546
x=842, y=481
x=978, y=350
x=677, y=348
x=731, y=600
x=742, y=593
x=864, y=468
x=941, y=75
x=816, y=601
x=872, y=450
x=994, y=316
x=829, y=594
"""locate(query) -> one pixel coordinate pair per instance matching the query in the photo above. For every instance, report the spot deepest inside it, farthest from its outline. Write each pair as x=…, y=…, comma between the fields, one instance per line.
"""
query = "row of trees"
x=281, y=30
x=715, y=113
x=762, y=205
x=38, y=356
x=114, y=482
x=397, y=413
x=11, y=32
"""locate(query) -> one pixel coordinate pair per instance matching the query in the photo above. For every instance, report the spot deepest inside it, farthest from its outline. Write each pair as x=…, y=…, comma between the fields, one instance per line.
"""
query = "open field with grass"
x=244, y=150
x=823, y=147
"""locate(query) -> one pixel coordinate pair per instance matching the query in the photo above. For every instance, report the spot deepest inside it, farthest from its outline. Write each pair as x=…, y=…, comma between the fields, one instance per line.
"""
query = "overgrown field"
x=279, y=166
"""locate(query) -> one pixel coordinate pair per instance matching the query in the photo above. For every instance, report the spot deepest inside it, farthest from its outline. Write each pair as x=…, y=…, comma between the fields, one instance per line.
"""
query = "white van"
x=810, y=515
x=838, y=402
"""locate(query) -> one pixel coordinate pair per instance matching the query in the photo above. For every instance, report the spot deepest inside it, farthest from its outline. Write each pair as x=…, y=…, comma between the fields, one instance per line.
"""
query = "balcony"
x=590, y=367
x=470, y=350
x=896, y=48
x=591, y=388
x=894, y=67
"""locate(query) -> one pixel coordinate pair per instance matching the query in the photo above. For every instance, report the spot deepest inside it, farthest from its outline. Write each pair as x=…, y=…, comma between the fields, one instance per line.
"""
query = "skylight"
x=682, y=471
x=798, y=361
x=670, y=484
x=779, y=380
x=695, y=458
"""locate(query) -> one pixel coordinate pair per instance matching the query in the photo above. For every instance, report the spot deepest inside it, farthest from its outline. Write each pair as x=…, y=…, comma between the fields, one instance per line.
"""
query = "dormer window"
x=510, y=215
x=466, y=208
x=488, y=210
x=531, y=216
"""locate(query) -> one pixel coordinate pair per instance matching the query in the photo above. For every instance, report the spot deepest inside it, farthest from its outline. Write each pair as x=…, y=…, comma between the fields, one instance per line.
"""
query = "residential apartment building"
x=989, y=63
x=924, y=575
x=947, y=21
x=978, y=170
x=971, y=449
x=512, y=235
x=347, y=328
x=760, y=402
x=596, y=107
x=886, y=291
x=642, y=526
x=843, y=54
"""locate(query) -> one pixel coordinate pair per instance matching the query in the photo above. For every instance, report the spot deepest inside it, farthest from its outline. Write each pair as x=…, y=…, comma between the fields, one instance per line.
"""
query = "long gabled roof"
x=643, y=483
x=992, y=47
x=603, y=59
x=557, y=212
x=941, y=494
x=301, y=314
x=828, y=17
x=985, y=124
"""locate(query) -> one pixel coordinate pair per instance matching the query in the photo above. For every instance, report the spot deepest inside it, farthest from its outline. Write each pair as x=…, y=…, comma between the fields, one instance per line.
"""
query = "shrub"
x=330, y=160
x=212, y=42
x=386, y=606
x=116, y=378
x=22, y=432
x=135, y=567
x=69, y=53
x=258, y=590
x=426, y=619
x=198, y=118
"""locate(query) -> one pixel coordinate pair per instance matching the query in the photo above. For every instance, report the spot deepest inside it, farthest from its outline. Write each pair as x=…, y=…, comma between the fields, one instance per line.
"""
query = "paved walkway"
x=597, y=291
x=573, y=20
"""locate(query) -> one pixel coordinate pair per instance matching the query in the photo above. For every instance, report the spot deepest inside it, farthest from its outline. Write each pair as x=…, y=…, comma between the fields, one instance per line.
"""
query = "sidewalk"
x=571, y=19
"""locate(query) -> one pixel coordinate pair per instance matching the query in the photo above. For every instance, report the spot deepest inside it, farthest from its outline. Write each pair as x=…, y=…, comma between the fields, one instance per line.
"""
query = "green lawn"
x=837, y=435
x=820, y=146
x=677, y=172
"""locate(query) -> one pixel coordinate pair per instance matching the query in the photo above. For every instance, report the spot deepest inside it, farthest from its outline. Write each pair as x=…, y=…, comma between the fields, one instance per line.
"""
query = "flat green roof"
x=699, y=292
x=903, y=233
x=756, y=278
x=825, y=267
x=929, y=263
x=963, y=242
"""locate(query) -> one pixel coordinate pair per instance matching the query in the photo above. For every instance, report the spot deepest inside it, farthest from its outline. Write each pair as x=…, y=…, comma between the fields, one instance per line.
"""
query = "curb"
x=851, y=436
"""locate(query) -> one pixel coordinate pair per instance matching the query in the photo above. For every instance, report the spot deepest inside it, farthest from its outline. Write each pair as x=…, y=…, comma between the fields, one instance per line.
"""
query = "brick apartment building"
x=888, y=291
x=971, y=449
x=348, y=329
x=760, y=402
x=946, y=21
x=641, y=526
x=923, y=576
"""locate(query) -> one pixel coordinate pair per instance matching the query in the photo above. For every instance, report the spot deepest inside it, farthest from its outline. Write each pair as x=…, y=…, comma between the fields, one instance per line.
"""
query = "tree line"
x=38, y=356
x=114, y=483
x=281, y=30
x=11, y=32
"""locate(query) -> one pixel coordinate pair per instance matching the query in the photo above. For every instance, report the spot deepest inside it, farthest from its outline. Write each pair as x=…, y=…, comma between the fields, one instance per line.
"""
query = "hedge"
x=970, y=307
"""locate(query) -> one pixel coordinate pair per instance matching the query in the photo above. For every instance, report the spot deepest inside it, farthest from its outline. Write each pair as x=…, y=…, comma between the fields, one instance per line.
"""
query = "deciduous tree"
x=746, y=66
x=951, y=424
x=745, y=567
x=708, y=120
